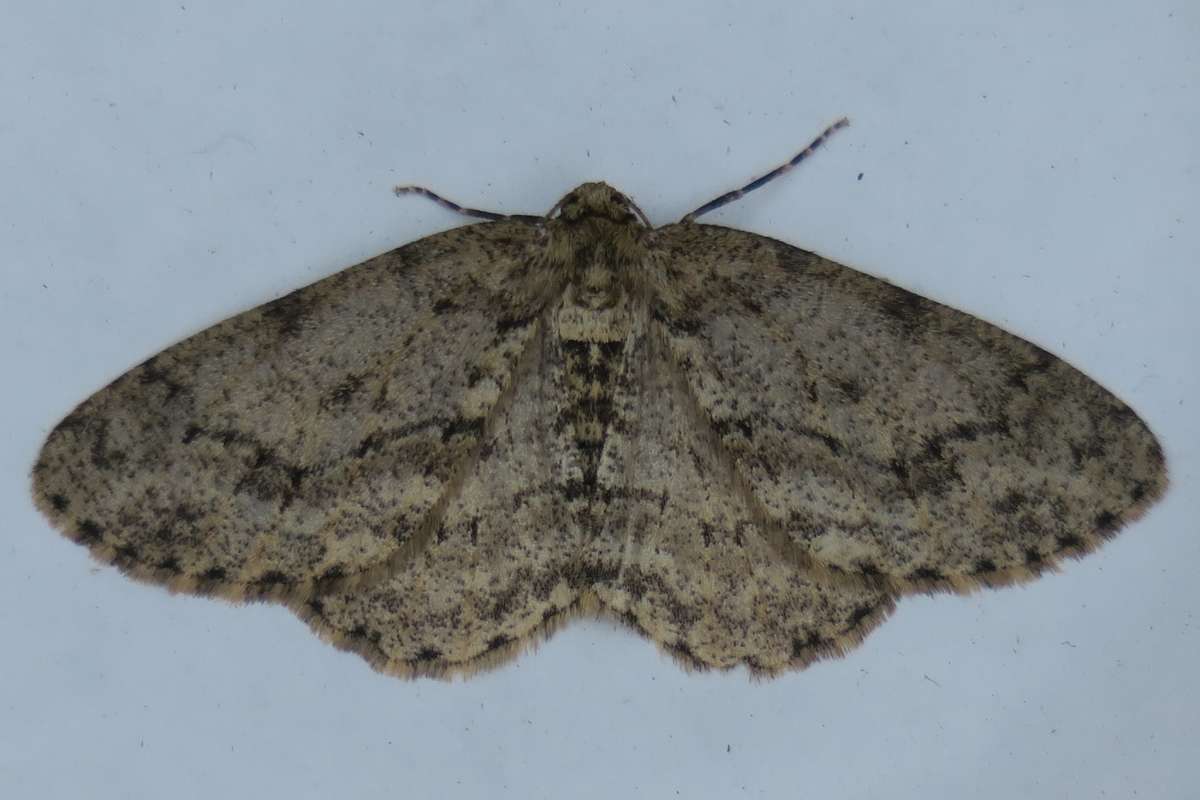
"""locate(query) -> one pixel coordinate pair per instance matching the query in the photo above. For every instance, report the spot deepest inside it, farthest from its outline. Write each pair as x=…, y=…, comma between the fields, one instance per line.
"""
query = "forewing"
x=886, y=435
x=695, y=572
x=306, y=443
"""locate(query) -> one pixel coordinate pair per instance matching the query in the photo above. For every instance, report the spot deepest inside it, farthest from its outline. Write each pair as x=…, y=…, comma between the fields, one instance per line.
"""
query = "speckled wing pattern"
x=887, y=437
x=695, y=571
x=502, y=564
x=740, y=449
x=310, y=442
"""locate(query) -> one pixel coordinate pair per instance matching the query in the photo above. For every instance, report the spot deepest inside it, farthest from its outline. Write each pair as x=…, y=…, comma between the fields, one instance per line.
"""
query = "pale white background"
x=163, y=166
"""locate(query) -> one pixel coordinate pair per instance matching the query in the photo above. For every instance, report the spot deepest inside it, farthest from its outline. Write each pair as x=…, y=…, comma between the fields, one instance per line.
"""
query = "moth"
x=743, y=450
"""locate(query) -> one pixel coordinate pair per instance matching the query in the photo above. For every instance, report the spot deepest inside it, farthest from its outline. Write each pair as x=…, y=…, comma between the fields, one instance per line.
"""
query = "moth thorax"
x=596, y=287
x=584, y=321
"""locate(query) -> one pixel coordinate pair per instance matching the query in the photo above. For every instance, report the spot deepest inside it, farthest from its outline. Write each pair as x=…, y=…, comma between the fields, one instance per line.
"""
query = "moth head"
x=598, y=201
